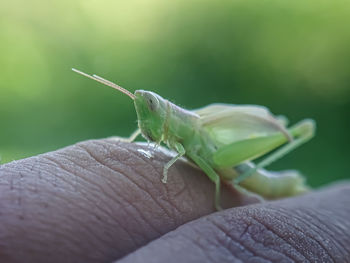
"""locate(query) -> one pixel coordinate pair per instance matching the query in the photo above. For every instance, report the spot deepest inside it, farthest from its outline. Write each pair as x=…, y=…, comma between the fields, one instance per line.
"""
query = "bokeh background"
x=291, y=56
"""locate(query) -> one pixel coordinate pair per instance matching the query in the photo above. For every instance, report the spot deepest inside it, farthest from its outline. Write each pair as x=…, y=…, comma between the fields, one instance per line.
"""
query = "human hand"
x=103, y=201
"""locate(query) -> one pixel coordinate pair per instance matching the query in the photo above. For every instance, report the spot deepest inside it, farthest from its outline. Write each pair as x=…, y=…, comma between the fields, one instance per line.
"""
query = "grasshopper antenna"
x=106, y=82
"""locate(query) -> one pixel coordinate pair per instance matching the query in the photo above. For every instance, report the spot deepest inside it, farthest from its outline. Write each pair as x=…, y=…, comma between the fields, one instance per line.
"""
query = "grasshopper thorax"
x=151, y=110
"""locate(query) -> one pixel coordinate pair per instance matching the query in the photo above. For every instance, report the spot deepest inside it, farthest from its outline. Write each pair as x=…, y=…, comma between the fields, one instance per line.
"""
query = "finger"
x=312, y=228
x=96, y=201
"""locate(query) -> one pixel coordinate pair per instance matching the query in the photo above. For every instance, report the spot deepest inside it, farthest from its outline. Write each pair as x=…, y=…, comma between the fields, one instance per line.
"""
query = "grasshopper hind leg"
x=213, y=176
x=301, y=132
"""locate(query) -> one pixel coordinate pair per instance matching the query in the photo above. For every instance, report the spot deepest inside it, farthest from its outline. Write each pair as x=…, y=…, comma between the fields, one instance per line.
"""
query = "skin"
x=103, y=201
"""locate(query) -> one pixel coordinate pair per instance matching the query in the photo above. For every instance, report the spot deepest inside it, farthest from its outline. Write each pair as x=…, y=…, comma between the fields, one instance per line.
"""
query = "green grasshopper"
x=222, y=140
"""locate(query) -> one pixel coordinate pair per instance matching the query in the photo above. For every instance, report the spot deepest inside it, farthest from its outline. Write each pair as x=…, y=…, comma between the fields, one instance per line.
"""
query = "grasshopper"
x=223, y=140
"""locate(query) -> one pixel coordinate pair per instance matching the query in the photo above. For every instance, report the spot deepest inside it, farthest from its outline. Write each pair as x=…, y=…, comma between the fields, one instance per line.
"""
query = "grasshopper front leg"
x=134, y=135
x=181, y=151
x=131, y=138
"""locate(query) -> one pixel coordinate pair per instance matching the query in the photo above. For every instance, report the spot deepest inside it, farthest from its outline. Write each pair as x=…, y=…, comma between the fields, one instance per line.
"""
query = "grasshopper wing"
x=227, y=123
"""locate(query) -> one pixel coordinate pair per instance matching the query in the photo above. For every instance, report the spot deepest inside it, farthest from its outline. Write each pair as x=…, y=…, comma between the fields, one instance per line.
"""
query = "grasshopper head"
x=151, y=108
x=151, y=112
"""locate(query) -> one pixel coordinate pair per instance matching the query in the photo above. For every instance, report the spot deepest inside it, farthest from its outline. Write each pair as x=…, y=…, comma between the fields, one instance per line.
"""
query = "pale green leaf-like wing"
x=227, y=123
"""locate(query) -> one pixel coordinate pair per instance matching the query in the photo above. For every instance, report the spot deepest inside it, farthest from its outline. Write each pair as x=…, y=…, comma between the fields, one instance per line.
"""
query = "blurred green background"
x=291, y=56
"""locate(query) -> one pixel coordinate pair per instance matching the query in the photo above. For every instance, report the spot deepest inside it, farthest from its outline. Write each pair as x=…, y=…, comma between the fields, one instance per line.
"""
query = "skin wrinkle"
x=116, y=149
x=320, y=240
x=170, y=199
x=60, y=166
x=305, y=233
x=87, y=228
x=247, y=232
x=19, y=186
x=216, y=225
x=123, y=228
x=215, y=243
x=94, y=183
x=204, y=248
x=26, y=253
x=39, y=232
x=77, y=174
x=144, y=220
x=274, y=232
x=191, y=199
x=264, y=212
x=107, y=213
x=75, y=171
x=236, y=241
x=160, y=164
x=222, y=244
x=130, y=168
x=70, y=172
x=233, y=240
x=180, y=163
x=309, y=225
x=323, y=214
x=149, y=164
x=133, y=215
x=251, y=218
x=127, y=177
x=119, y=222
x=181, y=191
x=167, y=192
x=91, y=182
x=136, y=156
x=155, y=171
x=299, y=234
x=139, y=187
x=311, y=239
x=230, y=240
x=324, y=228
x=3, y=170
x=340, y=227
x=200, y=246
x=271, y=248
x=160, y=159
x=138, y=211
x=192, y=237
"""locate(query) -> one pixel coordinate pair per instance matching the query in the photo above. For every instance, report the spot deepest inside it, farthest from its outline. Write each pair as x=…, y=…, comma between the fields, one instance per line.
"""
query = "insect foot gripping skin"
x=223, y=140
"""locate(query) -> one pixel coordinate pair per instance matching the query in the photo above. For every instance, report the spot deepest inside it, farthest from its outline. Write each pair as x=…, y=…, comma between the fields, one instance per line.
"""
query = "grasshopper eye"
x=152, y=102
